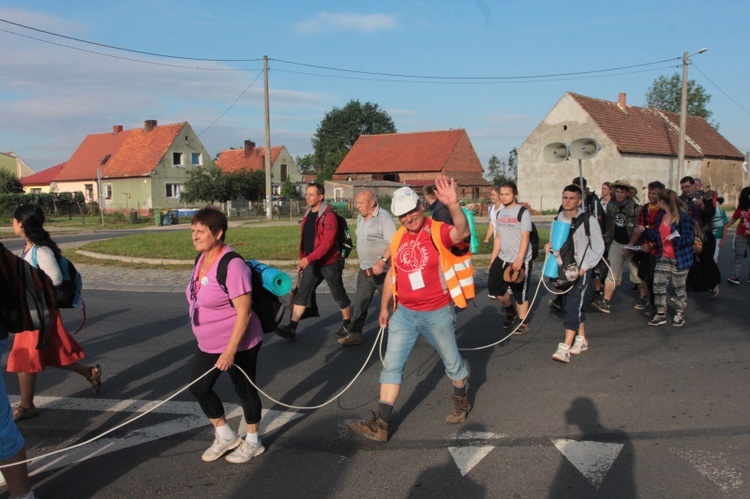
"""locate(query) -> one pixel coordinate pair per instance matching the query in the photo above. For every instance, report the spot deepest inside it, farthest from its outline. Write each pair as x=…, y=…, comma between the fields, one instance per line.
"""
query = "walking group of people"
x=670, y=238
x=422, y=270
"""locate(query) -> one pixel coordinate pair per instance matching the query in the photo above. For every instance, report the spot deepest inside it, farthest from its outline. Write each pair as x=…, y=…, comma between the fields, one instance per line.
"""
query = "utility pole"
x=269, y=208
x=683, y=119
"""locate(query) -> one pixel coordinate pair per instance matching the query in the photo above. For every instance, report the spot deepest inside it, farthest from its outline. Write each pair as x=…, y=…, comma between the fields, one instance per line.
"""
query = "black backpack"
x=26, y=297
x=533, y=237
x=567, y=268
x=267, y=306
x=344, y=236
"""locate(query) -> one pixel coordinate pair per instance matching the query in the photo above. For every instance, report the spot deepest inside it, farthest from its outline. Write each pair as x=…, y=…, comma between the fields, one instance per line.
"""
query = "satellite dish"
x=556, y=152
x=584, y=148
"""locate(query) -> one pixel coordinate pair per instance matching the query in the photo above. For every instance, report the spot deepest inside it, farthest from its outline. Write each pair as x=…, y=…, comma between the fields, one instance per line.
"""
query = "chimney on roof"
x=149, y=125
x=249, y=146
x=622, y=100
x=116, y=129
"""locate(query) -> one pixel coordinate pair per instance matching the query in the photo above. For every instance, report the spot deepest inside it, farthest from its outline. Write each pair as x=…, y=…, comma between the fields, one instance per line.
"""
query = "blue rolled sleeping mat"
x=276, y=281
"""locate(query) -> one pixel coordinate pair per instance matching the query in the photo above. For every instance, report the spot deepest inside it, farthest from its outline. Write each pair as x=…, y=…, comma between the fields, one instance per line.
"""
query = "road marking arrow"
x=469, y=455
x=191, y=417
x=592, y=459
x=713, y=466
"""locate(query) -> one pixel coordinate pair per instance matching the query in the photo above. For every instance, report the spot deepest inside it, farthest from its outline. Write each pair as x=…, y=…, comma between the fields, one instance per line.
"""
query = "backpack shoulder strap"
x=34, y=260
x=520, y=213
x=221, y=269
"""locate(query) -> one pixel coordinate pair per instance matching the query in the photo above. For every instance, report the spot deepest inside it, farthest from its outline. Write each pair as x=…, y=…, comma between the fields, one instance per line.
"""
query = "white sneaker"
x=562, y=354
x=245, y=452
x=581, y=344
x=219, y=448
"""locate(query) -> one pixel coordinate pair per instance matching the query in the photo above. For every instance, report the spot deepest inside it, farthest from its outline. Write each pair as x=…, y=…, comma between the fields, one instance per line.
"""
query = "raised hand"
x=445, y=190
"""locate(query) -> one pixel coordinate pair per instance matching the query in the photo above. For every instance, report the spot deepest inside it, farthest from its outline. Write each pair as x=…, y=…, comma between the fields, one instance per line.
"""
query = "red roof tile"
x=87, y=158
x=403, y=152
x=639, y=130
x=233, y=160
x=43, y=177
x=141, y=151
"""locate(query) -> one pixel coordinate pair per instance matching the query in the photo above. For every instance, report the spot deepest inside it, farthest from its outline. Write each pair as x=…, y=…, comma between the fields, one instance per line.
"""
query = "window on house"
x=177, y=159
x=196, y=158
x=283, y=173
x=36, y=190
x=173, y=190
x=338, y=194
x=107, y=191
x=89, y=189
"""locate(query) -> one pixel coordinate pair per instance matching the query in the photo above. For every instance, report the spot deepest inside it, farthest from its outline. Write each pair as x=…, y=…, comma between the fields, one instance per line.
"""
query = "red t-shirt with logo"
x=419, y=280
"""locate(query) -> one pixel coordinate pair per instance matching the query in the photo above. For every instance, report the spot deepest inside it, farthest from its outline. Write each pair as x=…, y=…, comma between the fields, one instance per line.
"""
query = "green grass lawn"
x=260, y=243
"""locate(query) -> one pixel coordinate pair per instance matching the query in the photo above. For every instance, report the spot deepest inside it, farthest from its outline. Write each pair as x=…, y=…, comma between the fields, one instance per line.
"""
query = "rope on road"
x=531, y=306
x=378, y=340
x=124, y=423
x=131, y=420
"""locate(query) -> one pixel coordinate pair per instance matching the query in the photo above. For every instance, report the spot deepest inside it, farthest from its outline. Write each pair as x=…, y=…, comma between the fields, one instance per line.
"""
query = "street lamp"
x=683, y=115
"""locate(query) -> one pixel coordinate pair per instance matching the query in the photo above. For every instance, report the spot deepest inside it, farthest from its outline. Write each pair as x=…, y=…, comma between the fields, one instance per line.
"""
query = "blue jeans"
x=438, y=327
x=11, y=441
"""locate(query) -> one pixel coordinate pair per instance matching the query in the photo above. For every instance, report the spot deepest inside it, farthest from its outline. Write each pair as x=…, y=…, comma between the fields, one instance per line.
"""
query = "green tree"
x=288, y=190
x=499, y=172
x=341, y=127
x=9, y=184
x=513, y=164
x=666, y=94
x=205, y=184
x=249, y=184
x=306, y=164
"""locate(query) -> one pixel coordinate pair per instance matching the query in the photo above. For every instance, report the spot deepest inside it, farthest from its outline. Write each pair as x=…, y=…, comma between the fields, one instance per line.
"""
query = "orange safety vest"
x=457, y=271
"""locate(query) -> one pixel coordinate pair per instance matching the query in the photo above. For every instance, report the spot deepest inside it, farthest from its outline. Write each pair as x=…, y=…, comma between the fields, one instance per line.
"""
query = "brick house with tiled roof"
x=637, y=144
x=254, y=158
x=416, y=159
x=141, y=169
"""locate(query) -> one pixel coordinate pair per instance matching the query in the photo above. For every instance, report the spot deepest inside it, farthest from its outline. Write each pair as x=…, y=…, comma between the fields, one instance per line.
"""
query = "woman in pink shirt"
x=228, y=334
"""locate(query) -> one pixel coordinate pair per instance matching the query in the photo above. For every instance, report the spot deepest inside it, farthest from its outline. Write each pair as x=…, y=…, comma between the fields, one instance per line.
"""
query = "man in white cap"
x=431, y=267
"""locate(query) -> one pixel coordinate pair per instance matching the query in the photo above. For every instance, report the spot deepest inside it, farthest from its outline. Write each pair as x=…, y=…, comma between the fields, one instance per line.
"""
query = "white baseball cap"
x=404, y=200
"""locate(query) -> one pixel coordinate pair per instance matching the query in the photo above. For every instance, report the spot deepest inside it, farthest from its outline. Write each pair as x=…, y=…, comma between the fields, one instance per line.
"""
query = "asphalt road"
x=645, y=412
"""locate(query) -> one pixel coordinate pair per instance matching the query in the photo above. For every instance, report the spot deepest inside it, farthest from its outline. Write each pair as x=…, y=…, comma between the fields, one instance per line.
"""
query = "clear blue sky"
x=53, y=96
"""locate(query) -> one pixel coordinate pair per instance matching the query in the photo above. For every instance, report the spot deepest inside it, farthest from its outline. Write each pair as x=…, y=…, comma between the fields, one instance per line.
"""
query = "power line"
x=469, y=82
x=470, y=78
x=720, y=89
x=464, y=79
x=80, y=40
x=231, y=105
x=154, y=63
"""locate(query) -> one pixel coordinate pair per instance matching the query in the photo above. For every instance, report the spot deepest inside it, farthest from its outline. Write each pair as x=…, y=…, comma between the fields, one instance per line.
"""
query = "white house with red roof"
x=41, y=182
x=252, y=158
x=416, y=159
x=140, y=169
x=638, y=144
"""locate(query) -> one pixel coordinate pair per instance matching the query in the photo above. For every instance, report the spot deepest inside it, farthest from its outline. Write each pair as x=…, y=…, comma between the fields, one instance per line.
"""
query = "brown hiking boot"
x=461, y=408
x=351, y=339
x=376, y=429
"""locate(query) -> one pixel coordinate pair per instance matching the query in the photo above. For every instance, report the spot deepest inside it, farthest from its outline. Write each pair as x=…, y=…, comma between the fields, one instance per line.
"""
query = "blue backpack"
x=68, y=293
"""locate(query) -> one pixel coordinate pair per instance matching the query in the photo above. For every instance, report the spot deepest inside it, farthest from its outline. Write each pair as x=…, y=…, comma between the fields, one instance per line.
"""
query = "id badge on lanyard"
x=416, y=280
